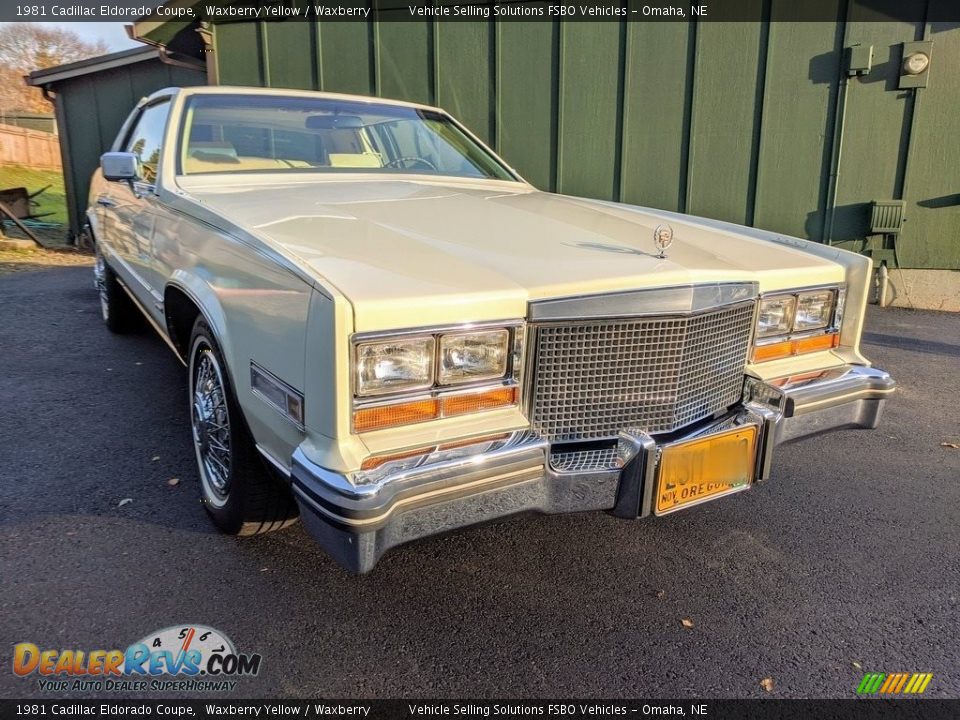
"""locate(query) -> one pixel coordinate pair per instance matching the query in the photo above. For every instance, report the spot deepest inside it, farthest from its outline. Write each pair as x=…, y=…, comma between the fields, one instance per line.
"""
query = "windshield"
x=258, y=133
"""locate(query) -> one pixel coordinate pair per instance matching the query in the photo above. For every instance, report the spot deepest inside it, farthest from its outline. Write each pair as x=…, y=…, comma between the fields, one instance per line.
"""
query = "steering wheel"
x=412, y=159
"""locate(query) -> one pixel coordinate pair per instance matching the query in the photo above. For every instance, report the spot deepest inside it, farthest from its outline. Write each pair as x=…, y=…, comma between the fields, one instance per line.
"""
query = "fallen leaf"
x=125, y=501
x=155, y=458
x=173, y=481
x=767, y=684
x=857, y=665
x=955, y=446
x=687, y=623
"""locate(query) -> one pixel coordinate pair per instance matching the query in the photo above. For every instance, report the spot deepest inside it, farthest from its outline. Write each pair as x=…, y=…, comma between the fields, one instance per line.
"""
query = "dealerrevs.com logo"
x=182, y=657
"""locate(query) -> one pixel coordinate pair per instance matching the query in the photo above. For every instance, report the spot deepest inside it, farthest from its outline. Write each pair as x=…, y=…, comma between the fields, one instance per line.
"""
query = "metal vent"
x=593, y=378
x=886, y=217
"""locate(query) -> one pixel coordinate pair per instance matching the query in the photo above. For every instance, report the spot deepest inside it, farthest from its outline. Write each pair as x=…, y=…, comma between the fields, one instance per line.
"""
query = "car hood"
x=411, y=252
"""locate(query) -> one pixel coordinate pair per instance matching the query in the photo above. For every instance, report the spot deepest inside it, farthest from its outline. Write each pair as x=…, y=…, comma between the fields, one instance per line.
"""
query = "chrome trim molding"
x=677, y=300
x=362, y=337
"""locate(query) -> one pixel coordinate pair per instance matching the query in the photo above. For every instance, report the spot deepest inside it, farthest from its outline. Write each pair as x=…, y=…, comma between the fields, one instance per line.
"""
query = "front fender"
x=208, y=303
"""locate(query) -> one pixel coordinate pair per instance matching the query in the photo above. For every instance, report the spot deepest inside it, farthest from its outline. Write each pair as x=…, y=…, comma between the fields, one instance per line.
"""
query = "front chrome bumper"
x=358, y=518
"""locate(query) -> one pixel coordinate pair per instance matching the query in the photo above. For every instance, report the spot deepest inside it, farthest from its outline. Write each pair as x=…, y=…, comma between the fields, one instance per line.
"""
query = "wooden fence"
x=30, y=148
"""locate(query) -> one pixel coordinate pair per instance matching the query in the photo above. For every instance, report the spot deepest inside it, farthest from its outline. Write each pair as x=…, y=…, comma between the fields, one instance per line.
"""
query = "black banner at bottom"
x=469, y=709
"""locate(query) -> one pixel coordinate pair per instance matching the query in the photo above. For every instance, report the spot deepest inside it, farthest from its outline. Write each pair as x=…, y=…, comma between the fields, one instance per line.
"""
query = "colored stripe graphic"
x=894, y=683
x=889, y=682
x=870, y=683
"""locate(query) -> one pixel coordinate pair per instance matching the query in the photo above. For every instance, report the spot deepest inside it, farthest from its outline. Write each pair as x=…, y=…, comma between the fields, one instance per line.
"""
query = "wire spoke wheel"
x=210, y=420
x=100, y=282
x=237, y=490
x=118, y=311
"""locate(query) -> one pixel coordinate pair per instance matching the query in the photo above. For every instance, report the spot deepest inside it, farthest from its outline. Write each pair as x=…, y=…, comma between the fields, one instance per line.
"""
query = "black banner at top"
x=913, y=11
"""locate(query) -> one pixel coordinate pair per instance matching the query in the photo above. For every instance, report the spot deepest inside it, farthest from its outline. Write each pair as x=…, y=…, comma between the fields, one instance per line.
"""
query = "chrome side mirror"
x=120, y=166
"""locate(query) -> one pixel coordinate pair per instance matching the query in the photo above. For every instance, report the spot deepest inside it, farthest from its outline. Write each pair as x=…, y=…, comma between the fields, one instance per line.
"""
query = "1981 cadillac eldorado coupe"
x=387, y=327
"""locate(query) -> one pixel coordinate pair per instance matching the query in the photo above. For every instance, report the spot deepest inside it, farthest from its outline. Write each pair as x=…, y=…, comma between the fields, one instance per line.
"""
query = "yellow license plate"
x=693, y=471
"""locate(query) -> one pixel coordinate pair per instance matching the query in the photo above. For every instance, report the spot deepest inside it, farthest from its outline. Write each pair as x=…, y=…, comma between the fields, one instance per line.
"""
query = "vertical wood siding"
x=732, y=120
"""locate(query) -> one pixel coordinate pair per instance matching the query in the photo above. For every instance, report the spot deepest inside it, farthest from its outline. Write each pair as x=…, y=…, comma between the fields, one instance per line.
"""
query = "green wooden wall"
x=90, y=110
x=732, y=120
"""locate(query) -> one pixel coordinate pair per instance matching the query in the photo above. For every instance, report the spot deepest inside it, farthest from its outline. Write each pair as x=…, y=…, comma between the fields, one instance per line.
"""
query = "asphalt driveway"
x=847, y=561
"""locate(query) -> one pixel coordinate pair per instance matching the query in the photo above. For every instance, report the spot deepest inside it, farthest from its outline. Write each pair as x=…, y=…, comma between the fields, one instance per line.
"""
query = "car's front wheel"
x=236, y=488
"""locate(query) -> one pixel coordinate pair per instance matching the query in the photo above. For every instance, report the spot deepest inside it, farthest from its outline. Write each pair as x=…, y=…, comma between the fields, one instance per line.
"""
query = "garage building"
x=822, y=130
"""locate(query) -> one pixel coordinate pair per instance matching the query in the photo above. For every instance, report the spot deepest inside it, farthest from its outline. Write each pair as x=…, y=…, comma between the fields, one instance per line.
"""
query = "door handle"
x=106, y=202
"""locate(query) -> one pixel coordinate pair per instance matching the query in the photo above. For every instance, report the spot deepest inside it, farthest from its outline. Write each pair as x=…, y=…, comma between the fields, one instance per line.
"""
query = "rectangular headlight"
x=395, y=365
x=776, y=315
x=472, y=356
x=814, y=310
x=788, y=324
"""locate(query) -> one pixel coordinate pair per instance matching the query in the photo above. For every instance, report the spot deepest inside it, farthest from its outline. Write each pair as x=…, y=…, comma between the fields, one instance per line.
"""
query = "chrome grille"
x=595, y=377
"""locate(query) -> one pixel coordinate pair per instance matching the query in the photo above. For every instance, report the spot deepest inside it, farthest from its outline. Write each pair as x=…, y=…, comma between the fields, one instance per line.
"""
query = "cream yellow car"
x=388, y=329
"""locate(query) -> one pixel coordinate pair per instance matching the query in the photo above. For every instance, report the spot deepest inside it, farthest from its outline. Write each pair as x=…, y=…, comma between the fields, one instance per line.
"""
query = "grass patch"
x=52, y=200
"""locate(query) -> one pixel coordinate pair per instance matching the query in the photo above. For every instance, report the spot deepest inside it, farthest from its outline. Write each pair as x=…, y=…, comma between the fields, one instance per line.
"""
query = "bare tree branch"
x=25, y=47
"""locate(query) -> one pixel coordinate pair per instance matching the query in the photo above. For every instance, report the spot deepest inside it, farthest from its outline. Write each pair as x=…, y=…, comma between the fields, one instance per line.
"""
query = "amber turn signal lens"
x=407, y=413
x=788, y=348
x=475, y=402
x=384, y=416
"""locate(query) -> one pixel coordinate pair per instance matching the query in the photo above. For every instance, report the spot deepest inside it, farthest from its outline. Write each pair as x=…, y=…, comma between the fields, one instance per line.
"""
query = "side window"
x=146, y=138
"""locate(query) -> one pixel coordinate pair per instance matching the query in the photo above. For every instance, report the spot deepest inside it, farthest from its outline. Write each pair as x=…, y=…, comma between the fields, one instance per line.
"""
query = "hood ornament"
x=662, y=238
